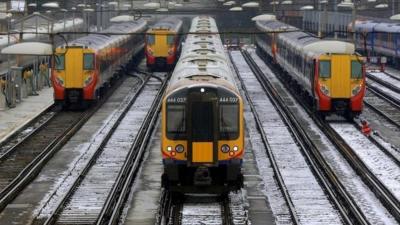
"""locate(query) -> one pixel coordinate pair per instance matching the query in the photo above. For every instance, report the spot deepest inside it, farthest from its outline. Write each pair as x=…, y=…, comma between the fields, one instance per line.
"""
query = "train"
x=83, y=69
x=378, y=39
x=202, y=117
x=163, y=43
x=329, y=72
x=374, y=36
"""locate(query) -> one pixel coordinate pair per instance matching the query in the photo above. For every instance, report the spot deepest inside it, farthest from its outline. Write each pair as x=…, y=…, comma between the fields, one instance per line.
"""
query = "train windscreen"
x=229, y=121
x=176, y=121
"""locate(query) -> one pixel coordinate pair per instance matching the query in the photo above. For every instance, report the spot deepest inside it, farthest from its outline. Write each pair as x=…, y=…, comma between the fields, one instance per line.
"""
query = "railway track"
x=98, y=193
x=28, y=129
x=369, y=177
x=343, y=201
x=23, y=160
x=226, y=209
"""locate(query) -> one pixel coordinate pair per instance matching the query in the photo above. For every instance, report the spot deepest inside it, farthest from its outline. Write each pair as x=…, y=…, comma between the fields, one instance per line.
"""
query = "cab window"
x=356, y=69
x=59, y=62
x=88, y=61
x=170, y=39
x=176, y=121
x=324, y=69
x=150, y=39
x=229, y=121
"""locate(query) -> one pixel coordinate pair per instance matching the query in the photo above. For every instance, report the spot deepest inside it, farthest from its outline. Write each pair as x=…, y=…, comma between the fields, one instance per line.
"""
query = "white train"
x=202, y=123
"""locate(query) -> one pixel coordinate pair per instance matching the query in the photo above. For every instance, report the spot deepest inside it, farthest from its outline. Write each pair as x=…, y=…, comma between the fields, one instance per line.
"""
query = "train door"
x=161, y=47
x=73, y=68
x=340, y=81
x=202, y=126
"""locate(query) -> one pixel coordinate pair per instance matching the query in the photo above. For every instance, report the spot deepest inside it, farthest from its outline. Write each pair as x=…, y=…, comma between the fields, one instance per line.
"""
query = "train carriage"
x=330, y=72
x=202, y=123
x=163, y=43
x=84, y=68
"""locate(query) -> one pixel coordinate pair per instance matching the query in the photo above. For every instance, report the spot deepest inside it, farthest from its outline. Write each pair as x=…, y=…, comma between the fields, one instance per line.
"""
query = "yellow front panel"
x=73, y=68
x=340, y=79
x=160, y=47
x=202, y=152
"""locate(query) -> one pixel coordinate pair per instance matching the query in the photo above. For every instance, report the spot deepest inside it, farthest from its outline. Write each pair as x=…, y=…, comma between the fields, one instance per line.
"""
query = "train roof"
x=305, y=43
x=170, y=24
x=110, y=35
x=203, y=59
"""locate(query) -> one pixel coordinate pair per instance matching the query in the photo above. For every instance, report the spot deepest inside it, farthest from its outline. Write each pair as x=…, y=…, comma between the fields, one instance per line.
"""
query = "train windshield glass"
x=170, y=39
x=324, y=69
x=88, y=61
x=176, y=121
x=60, y=62
x=150, y=39
x=229, y=121
x=356, y=70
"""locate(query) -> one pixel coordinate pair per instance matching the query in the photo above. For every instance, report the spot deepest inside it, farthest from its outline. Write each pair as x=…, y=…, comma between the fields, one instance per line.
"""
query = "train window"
x=88, y=61
x=325, y=69
x=150, y=39
x=60, y=62
x=176, y=121
x=229, y=121
x=170, y=39
x=356, y=69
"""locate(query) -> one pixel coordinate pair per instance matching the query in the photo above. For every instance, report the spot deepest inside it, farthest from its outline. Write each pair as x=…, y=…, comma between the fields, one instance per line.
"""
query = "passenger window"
x=60, y=62
x=356, y=69
x=150, y=39
x=88, y=61
x=324, y=69
x=170, y=39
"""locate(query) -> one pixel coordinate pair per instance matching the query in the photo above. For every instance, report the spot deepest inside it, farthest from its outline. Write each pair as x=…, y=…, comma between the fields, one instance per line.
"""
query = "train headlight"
x=235, y=148
x=150, y=51
x=225, y=148
x=88, y=80
x=169, y=148
x=179, y=148
x=324, y=89
x=59, y=81
x=356, y=90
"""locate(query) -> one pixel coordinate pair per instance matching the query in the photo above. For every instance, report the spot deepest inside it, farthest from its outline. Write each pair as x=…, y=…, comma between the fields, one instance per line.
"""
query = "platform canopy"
x=28, y=48
x=122, y=18
x=264, y=17
x=395, y=17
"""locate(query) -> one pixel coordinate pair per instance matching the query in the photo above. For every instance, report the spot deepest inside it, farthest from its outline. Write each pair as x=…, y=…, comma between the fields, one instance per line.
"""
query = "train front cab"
x=74, y=75
x=161, y=49
x=203, y=142
x=340, y=84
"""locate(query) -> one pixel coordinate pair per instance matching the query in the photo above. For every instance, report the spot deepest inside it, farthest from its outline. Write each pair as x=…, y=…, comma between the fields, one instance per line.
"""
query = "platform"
x=11, y=120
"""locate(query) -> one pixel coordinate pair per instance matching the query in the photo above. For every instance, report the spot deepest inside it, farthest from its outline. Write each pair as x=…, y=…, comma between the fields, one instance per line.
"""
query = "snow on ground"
x=384, y=89
x=86, y=150
x=311, y=203
x=386, y=170
x=374, y=211
x=385, y=77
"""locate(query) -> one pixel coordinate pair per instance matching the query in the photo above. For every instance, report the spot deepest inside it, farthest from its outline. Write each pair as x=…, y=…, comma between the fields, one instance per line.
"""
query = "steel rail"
x=60, y=206
x=343, y=201
x=271, y=156
x=384, y=83
x=110, y=213
x=14, y=136
x=33, y=168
